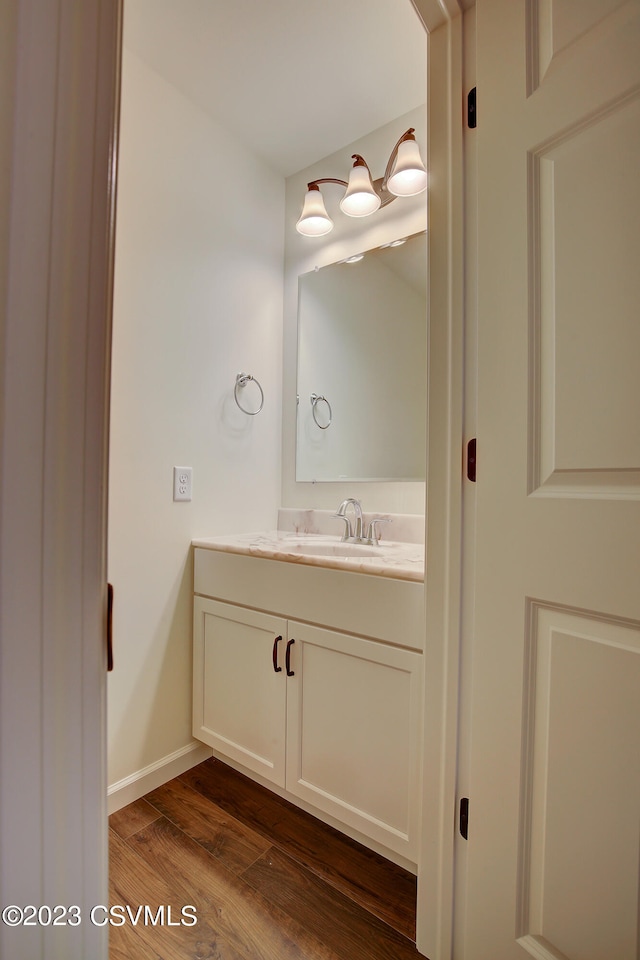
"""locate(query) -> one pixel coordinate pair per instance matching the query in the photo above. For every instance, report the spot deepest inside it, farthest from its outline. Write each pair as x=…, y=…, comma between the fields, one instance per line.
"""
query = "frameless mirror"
x=361, y=367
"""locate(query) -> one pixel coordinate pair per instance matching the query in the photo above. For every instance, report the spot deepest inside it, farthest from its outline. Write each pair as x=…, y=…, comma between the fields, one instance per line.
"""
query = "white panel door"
x=554, y=825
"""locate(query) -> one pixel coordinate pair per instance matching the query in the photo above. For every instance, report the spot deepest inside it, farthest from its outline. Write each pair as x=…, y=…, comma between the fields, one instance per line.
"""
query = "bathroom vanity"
x=308, y=675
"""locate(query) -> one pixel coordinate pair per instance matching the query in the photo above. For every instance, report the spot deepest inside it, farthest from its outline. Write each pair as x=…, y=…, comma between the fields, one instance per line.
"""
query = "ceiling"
x=295, y=80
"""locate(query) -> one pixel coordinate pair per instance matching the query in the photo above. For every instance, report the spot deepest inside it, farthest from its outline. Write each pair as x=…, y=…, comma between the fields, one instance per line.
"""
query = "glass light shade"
x=360, y=199
x=314, y=220
x=409, y=175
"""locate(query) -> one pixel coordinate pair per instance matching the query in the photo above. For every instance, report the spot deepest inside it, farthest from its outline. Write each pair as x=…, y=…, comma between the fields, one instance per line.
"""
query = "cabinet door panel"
x=353, y=711
x=239, y=700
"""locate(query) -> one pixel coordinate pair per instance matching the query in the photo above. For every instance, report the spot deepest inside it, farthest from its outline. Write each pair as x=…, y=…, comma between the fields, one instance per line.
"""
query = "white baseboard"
x=149, y=778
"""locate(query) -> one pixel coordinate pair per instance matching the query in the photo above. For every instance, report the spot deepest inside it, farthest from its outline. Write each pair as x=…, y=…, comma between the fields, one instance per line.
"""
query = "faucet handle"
x=347, y=529
x=373, y=535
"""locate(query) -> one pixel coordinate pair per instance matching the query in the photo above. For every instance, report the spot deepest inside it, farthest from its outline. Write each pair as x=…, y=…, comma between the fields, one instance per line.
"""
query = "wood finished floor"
x=269, y=882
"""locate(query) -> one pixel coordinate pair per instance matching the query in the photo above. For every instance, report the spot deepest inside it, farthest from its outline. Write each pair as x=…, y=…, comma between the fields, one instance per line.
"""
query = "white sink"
x=322, y=545
x=330, y=548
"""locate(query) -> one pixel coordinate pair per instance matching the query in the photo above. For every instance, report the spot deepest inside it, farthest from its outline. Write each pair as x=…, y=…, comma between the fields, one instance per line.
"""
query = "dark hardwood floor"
x=268, y=881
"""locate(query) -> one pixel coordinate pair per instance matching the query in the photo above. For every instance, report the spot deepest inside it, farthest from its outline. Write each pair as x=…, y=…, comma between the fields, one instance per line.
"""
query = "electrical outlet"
x=182, y=483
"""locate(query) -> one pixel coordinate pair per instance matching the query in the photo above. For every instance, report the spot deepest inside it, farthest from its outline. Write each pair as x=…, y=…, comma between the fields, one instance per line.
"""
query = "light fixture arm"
x=313, y=184
x=359, y=162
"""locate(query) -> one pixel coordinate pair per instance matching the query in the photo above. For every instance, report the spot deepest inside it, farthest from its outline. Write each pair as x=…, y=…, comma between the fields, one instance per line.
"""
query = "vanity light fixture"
x=405, y=176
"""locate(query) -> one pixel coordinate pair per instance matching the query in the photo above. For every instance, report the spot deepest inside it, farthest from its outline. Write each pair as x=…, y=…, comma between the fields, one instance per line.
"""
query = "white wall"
x=198, y=298
x=349, y=235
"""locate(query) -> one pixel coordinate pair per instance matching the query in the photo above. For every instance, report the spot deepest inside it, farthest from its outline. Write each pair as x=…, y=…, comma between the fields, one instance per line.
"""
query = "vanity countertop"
x=398, y=560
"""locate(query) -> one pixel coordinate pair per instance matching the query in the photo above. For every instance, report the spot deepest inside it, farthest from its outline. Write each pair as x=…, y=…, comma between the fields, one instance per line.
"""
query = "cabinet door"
x=239, y=700
x=353, y=721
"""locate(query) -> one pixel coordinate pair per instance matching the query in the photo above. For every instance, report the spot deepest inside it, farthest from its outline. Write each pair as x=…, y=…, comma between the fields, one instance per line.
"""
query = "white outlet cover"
x=182, y=483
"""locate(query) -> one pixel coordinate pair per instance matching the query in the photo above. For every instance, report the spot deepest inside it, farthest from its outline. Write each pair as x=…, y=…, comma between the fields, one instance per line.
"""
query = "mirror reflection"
x=361, y=361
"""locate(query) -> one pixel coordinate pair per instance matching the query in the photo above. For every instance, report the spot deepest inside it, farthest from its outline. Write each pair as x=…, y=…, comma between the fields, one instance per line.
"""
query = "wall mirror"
x=362, y=342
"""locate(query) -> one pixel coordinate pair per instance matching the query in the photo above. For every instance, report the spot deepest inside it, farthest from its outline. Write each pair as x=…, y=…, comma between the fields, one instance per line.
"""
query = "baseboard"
x=149, y=778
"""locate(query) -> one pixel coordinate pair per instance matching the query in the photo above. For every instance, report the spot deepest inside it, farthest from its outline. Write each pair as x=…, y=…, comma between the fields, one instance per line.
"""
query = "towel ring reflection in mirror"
x=315, y=400
x=241, y=381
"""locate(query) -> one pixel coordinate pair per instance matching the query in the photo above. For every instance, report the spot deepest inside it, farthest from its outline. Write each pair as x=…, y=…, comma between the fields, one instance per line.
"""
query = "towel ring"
x=315, y=399
x=241, y=380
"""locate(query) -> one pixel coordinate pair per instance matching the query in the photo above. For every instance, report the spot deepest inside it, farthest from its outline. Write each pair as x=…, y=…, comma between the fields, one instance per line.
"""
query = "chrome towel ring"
x=242, y=379
x=315, y=400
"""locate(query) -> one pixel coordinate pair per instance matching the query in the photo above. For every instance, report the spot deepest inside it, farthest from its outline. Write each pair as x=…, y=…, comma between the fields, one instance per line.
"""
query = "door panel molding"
x=575, y=725
x=554, y=26
x=582, y=321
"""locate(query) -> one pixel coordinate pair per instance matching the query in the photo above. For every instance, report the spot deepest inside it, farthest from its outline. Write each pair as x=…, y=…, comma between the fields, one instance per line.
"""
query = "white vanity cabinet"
x=330, y=718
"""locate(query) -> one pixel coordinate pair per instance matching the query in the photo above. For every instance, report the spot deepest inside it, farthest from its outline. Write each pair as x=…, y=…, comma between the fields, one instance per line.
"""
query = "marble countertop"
x=399, y=560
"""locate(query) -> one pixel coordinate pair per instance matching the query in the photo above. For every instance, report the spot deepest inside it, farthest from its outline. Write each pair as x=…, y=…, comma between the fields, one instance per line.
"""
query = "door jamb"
x=435, y=903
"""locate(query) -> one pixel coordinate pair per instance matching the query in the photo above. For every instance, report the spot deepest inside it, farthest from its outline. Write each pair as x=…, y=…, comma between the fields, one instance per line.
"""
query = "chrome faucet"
x=355, y=533
x=351, y=534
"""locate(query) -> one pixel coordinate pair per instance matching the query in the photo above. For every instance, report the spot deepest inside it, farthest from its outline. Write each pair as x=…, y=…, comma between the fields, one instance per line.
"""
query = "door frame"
x=444, y=489
x=57, y=544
